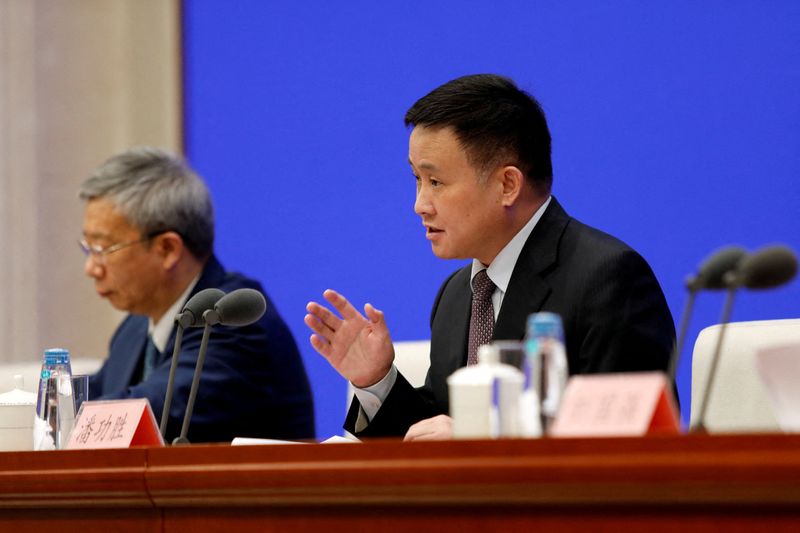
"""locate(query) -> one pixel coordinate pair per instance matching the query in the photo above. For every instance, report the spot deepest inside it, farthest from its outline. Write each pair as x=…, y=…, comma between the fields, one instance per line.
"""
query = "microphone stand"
x=699, y=426
x=676, y=353
x=238, y=308
x=173, y=367
x=210, y=317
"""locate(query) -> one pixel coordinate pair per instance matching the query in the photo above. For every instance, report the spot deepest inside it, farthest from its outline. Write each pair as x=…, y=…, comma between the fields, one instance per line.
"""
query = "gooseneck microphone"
x=191, y=316
x=237, y=308
x=710, y=276
x=769, y=267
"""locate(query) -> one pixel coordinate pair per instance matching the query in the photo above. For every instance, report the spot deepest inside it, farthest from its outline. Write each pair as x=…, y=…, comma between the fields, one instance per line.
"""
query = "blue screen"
x=676, y=127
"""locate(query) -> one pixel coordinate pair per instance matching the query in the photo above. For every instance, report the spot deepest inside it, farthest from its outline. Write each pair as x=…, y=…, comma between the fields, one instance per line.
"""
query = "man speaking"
x=480, y=152
x=148, y=235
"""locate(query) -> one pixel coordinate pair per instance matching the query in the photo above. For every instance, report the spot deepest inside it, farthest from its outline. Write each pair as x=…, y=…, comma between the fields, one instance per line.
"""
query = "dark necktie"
x=150, y=356
x=481, y=318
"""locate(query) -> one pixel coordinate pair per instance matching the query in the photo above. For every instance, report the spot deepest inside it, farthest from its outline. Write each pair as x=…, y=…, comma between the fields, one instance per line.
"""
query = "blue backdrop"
x=676, y=127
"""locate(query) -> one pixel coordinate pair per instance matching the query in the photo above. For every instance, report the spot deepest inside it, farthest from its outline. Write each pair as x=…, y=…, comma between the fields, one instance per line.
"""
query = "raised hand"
x=359, y=348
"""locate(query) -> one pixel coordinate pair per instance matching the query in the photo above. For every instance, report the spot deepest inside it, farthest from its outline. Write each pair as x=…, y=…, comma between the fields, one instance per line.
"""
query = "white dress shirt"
x=161, y=330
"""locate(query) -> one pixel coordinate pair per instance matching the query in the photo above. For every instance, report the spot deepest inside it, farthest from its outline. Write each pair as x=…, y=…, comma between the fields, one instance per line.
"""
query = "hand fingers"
x=321, y=345
x=318, y=326
x=324, y=316
x=341, y=304
x=421, y=428
x=437, y=428
x=375, y=316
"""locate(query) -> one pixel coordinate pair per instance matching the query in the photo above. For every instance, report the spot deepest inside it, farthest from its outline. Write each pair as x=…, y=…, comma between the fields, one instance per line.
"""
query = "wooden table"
x=696, y=482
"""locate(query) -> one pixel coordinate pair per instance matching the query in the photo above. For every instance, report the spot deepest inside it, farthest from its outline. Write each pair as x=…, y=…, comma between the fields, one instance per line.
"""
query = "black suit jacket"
x=615, y=316
x=253, y=383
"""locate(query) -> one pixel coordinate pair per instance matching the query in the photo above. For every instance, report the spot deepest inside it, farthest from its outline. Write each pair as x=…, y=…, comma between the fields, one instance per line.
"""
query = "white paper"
x=248, y=441
x=779, y=368
x=338, y=439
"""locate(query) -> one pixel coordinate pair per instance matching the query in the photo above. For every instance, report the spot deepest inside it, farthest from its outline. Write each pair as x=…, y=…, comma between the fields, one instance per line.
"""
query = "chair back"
x=738, y=401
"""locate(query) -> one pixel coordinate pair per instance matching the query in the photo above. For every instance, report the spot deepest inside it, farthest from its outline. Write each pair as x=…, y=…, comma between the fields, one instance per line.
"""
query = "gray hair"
x=156, y=191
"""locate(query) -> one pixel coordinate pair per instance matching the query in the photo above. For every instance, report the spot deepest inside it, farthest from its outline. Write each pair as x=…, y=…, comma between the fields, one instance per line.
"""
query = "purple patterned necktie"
x=481, y=318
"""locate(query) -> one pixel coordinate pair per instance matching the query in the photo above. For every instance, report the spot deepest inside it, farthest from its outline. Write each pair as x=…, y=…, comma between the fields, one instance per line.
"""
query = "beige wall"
x=79, y=81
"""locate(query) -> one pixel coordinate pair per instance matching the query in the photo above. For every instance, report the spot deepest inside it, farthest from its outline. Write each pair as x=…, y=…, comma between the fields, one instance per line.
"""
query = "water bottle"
x=547, y=370
x=55, y=405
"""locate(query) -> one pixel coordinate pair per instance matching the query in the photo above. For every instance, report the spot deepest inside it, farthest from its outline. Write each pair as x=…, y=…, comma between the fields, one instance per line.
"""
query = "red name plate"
x=115, y=424
x=628, y=404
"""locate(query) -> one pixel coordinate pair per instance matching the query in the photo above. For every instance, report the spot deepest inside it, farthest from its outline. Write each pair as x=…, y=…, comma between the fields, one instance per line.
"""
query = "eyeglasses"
x=99, y=253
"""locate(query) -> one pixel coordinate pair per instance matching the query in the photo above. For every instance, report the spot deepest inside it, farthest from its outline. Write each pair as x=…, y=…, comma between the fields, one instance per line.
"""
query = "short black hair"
x=495, y=121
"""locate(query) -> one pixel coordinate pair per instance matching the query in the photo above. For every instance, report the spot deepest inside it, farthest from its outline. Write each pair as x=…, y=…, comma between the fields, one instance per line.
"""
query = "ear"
x=512, y=181
x=170, y=247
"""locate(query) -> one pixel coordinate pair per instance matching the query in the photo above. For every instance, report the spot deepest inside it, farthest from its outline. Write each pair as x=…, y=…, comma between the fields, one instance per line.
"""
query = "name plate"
x=626, y=404
x=115, y=424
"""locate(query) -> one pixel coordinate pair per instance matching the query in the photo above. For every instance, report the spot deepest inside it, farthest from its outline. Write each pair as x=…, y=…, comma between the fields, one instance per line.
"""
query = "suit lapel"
x=527, y=289
x=451, y=325
x=132, y=344
x=458, y=313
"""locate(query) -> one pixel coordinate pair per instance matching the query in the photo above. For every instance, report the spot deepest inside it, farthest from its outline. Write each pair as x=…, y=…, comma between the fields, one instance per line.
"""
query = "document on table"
x=247, y=441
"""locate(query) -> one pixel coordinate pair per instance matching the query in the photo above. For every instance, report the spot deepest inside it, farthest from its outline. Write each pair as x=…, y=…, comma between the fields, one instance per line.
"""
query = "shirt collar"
x=161, y=330
x=503, y=265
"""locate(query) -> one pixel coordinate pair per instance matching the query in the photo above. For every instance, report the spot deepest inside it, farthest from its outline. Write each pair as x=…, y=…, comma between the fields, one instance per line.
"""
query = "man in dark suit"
x=148, y=234
x=480, y=150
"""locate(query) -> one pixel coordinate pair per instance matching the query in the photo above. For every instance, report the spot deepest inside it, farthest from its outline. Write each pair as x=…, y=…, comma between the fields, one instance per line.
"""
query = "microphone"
x=768, y=267
x=241, y=307
x=710, y=276
x=191, y=316
x=192, y=313
x=238, y=308
x=712, y=270
x=771, y=266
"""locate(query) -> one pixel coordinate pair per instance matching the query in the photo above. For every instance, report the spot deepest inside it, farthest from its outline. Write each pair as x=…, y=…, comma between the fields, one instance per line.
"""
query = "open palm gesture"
x=358, y=347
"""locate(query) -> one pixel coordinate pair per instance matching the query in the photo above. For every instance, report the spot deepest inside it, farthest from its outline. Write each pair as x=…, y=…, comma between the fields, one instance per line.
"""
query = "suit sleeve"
x=403, y=407
x=626, y=321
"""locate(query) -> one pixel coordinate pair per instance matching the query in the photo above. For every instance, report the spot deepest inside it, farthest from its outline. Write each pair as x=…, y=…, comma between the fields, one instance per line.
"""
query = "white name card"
x=626, y=404
x=115, y=424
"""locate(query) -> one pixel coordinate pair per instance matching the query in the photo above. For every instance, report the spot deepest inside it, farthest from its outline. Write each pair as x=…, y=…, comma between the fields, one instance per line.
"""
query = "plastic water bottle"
x=546, y=360
x=55, y=405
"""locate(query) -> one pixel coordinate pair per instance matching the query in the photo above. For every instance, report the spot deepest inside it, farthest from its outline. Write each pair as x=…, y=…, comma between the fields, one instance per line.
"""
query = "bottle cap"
x=56, y=356
x=545, y=325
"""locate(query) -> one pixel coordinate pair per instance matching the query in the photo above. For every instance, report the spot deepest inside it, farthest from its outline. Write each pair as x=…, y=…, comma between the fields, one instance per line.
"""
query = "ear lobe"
x=512, y=181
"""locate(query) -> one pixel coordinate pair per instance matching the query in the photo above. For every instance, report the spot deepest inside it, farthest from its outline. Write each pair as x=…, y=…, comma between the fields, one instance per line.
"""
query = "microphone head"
x=192, y=314
x=769, y=267
x=711, y=272
x=240, y=307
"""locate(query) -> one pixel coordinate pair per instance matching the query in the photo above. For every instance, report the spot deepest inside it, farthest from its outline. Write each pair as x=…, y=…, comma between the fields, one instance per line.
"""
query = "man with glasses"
x=148, y=234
